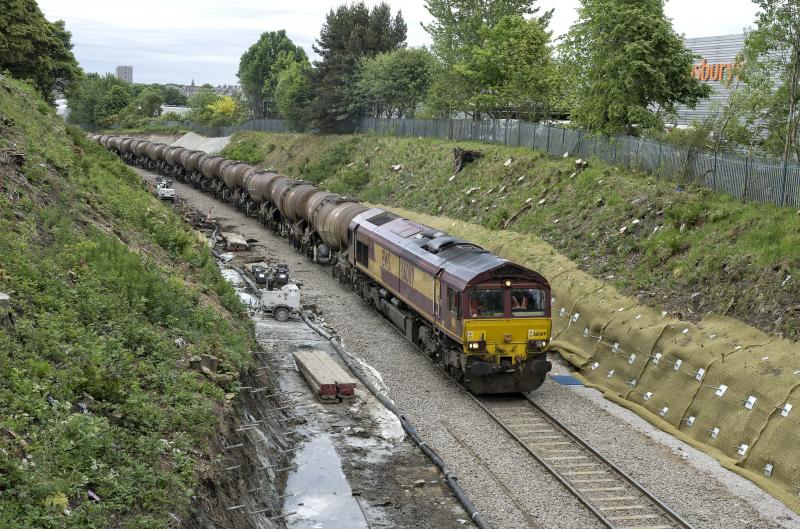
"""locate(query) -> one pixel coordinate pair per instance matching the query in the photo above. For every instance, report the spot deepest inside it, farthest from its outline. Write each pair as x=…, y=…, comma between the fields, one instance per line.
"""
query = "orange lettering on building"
x=714, y=72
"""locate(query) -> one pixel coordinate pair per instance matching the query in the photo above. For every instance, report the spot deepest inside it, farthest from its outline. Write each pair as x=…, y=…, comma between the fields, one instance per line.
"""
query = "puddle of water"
x=322, y=488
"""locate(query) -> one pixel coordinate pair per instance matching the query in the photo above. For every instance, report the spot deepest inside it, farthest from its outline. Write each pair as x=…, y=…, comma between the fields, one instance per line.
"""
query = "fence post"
x=783, y=187
x=714, y=172
x=748, y=167
x=658, y=162
x=547, y=147
x=505, y=133
x=519, y=132
x=450, y=129
x=563, y=138
x=616, y=148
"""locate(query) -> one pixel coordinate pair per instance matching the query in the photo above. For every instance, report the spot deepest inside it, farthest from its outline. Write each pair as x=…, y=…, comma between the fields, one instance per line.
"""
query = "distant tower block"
x=125, y=73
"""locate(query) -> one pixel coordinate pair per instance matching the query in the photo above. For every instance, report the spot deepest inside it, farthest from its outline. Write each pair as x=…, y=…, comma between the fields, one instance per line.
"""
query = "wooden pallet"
x=326, y=378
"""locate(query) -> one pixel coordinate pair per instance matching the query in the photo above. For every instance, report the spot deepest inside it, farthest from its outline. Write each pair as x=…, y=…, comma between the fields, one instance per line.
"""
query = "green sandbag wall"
x=721, y=386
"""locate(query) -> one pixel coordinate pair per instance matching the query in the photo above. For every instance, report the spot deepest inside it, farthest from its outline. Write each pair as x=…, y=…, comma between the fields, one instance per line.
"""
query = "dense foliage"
x=213, y=110
x=458, y=30
x=103, y=101
x=260, y=67
x=625, y=66
x=765, y=112
x=34, y=49
x=393, y=84
x=103, y=422
x=349, y=33
x=294, y=94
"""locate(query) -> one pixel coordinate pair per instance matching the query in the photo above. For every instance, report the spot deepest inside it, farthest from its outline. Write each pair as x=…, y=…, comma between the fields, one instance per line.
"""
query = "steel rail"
x=667, y=512
x=671, y=514
x=663, y=509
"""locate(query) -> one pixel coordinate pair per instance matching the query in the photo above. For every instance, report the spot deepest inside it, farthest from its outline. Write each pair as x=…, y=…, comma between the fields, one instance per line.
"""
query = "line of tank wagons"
x=313, y=220
x=488, y=355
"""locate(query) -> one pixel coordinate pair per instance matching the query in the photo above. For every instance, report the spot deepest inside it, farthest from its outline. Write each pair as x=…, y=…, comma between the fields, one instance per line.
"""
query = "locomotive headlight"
x=507, y=283
x=477, y=346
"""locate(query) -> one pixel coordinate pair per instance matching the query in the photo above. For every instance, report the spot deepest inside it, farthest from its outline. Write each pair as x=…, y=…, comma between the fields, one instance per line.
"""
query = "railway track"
x=616, y=499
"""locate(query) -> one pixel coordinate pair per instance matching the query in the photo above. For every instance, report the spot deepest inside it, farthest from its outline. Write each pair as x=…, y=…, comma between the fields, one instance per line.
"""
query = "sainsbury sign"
x=714, y=72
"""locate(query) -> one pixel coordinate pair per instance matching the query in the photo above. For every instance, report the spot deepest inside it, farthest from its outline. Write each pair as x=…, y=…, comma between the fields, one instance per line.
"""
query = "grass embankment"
x=686, y=249
x=103, y=424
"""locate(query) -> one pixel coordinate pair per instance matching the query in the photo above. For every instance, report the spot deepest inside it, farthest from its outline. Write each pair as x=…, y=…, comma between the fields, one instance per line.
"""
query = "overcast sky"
x=180, y=40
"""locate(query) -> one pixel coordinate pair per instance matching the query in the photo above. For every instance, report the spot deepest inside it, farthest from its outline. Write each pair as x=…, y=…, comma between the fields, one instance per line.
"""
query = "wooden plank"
x=234, y=241
x=327, y=379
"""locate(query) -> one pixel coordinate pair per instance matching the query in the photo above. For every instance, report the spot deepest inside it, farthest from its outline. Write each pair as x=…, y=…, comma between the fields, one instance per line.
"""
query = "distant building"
x=223, y=90
x=714, y=68
x=125, y=73
x=180, y=110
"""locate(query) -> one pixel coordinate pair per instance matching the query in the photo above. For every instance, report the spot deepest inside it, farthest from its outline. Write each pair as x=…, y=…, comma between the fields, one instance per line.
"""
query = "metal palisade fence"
x=748, y=178
x=754, y=179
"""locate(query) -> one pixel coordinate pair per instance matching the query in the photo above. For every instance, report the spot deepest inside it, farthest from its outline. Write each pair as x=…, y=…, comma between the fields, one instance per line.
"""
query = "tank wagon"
x=485, y=319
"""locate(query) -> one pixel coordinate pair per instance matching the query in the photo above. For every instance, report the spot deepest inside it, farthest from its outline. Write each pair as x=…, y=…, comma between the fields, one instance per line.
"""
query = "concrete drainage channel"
x=352, y=465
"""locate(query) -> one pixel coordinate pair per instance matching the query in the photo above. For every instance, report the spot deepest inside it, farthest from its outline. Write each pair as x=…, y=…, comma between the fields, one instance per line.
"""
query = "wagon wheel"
x=281, y=314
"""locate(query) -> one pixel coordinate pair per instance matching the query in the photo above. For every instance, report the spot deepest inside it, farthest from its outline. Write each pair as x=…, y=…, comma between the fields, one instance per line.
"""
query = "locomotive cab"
x=506, y=329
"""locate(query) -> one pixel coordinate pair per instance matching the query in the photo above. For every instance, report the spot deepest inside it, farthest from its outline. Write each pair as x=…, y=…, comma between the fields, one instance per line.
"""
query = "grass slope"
x=686, y=249
x=103, y=280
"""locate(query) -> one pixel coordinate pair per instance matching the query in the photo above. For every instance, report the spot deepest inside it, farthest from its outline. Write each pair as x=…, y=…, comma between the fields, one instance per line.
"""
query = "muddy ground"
x=350, y=465
x=508, y=490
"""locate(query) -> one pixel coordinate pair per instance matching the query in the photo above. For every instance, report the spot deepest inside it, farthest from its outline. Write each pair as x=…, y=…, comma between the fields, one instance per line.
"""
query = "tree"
x=458, y=29
x=108, y=108
x=200, y=103
x=349, y=33
x=224, y=111
x=394, y=84
x=772, y=100
x=511, y=69
x=457, y=24
x=260, y=66
x=626, y=66
x=172, y=96
x=149, y=102
x=33, y=48
x=294, y=94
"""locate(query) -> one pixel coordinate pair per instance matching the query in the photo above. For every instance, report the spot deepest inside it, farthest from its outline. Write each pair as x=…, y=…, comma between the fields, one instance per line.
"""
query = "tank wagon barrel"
x=486, y=319
x=293, y=202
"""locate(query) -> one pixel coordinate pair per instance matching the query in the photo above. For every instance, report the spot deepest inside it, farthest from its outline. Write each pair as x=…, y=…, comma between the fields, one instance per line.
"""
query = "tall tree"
x=394, y=84
x=294, y=94
x=771, y=73
x=33, y=48
x=260, y=66
x=108, y=108
x=623, y=60
x=349, y=33
x=457, y=24
x=457, y=31
x=511, y=70
x=85, y=95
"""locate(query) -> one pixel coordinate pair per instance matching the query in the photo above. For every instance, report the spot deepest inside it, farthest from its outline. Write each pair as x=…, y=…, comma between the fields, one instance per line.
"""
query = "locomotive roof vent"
x=382, y=218
x=429, y=233
x=440, y=243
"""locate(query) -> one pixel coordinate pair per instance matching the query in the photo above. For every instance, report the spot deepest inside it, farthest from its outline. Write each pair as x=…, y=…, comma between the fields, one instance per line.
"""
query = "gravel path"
x=506, y=485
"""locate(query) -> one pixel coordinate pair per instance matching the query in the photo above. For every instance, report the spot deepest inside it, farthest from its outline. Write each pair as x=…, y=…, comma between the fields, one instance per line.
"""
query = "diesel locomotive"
x=484, y=318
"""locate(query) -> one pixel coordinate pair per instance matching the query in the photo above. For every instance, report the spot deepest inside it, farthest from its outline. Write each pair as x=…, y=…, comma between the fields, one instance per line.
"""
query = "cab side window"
x=454, y=302
x=362, y=253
